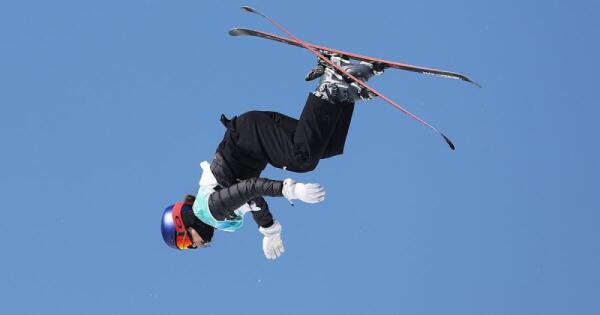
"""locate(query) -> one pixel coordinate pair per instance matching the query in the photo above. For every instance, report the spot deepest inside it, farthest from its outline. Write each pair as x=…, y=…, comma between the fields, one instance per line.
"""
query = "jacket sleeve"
x=222, y=203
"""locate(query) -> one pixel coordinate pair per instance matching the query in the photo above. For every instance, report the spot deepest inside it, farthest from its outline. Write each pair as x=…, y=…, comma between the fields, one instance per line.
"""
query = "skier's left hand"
x=309, y=193
x=272, y=243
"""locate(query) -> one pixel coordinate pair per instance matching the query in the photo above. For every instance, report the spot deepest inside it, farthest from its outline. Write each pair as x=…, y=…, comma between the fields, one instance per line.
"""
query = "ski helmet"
x=173, y=230
x=175, y=221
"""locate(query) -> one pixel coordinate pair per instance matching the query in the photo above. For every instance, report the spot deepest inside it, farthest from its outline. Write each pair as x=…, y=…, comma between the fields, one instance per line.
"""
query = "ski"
x=327, y=50
x=358, y=81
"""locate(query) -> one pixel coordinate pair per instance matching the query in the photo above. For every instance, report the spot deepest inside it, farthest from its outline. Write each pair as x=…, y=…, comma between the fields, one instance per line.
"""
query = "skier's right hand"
x=272, y=243
x=309, y=193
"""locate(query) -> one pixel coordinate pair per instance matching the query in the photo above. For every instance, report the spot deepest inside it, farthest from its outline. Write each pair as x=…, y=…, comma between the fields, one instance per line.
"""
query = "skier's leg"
x=338, y=139
x=322, y=128
x=256, y=137
x=326, y=118
x=316, y=127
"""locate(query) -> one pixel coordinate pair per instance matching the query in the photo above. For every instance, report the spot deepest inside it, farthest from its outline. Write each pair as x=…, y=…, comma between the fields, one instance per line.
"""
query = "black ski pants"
x=257, y=138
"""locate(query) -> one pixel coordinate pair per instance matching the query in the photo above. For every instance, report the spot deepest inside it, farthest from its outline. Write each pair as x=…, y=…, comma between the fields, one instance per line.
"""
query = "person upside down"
x=231, y=186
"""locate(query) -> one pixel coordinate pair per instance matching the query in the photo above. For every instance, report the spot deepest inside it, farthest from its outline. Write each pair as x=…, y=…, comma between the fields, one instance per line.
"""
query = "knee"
x=305, y=166
x=310, y=166
x=303, y=159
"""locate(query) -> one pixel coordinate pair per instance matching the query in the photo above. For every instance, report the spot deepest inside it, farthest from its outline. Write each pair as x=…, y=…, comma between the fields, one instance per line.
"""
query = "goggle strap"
x=178, y=220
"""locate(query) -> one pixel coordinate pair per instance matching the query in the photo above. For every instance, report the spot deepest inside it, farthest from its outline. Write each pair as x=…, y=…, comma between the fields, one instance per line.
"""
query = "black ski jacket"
x=226, y=178
x=223, y=202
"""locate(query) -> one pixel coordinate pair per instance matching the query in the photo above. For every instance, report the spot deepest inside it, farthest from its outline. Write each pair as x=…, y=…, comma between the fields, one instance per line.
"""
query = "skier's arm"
x=225, y=201
x=262, y=217
x=222, y=203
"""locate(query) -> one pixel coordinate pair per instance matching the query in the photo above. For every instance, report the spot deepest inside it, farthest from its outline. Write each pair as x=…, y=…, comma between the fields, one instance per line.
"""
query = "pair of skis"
x=320, y=52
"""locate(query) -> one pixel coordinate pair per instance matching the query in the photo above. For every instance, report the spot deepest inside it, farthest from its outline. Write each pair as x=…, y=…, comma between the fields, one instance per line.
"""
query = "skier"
x=231, y=186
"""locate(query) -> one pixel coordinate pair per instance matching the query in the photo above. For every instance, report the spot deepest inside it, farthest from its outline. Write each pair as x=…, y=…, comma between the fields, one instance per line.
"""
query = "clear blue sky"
x=107, y=107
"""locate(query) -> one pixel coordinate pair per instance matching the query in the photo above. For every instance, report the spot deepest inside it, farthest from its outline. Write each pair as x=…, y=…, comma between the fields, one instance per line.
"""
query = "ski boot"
x=335, y=87
x=318, y=70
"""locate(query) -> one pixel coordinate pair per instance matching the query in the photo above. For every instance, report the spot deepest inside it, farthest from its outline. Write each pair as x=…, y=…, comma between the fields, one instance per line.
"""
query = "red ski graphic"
x=387, y=63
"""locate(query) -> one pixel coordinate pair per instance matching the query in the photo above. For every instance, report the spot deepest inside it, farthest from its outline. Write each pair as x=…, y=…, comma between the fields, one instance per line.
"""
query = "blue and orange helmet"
x=174, y=232
x=175, y=221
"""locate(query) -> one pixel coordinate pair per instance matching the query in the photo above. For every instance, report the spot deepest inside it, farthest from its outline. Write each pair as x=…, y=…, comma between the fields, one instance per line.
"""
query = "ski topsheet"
x=387, y=63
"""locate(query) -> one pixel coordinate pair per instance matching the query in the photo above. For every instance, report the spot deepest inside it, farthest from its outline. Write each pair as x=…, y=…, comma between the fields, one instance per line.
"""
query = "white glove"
x=310, y=193
x=272, y=243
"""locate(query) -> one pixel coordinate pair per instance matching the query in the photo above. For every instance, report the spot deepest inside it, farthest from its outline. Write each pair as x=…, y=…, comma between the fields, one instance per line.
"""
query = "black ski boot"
x=317, y=71
x=336, y=87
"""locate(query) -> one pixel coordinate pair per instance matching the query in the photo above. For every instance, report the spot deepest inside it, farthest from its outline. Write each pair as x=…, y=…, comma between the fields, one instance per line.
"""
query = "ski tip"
x=235, y=32
x=250, y=9
x=477, y=84
x=448, y=141
x=467, y=79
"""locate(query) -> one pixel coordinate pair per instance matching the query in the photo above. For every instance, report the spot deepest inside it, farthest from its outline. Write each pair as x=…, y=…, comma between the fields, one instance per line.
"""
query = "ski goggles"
x=183, y=239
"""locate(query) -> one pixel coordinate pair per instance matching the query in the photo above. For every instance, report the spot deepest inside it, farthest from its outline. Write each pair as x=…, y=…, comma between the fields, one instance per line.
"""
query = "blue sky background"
x=107, y=107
